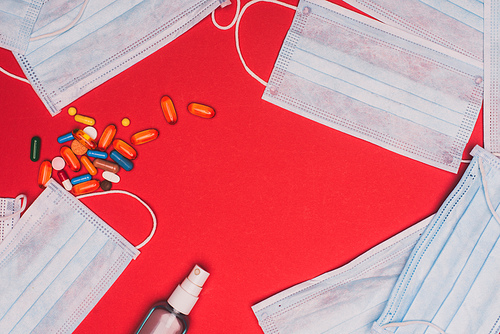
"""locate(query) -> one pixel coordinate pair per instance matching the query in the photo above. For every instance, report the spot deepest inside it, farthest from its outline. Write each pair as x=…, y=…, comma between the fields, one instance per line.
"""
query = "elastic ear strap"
x=218, y=26
x=155, y=223
x=414, y=322
x=23, y=199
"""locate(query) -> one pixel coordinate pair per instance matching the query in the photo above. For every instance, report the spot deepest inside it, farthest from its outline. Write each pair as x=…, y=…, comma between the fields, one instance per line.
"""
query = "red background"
x=260, y=197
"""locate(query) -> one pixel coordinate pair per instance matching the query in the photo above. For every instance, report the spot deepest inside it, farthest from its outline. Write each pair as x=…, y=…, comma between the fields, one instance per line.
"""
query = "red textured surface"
x=260, y=197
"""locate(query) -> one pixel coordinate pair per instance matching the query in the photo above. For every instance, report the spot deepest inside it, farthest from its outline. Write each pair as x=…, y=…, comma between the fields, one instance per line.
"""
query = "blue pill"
x=121, y=160
x=81, y=178
x=65, y=138
x=97, y=154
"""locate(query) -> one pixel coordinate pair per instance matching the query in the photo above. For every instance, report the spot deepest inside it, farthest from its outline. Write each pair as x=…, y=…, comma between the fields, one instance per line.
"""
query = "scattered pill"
x=70, y=159
x=72, y=111
x=64, y=178
x=78, y=148
x=125, y=121
x=35, y=148
x=106, y=185
x=121, y=160
x=58, y=163
x=144, y=136
x=106, y=165
x=45, y=173
x=89, y=166
x=125, y=149
x=81, y=179
x=84, y=139
x=168, y=109
x=85, y=187
x=91, y=131
x=97, y=154
x=201, y=110
x=65, y=138
x=84, y=120
x=107, y=137
x=111, y=177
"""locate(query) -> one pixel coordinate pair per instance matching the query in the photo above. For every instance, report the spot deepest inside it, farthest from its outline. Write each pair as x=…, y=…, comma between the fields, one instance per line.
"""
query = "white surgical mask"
x=455, y=24
x=377, y=83
x=57, y=263
x=346, y=300
x=450, y=281
x=10, y=212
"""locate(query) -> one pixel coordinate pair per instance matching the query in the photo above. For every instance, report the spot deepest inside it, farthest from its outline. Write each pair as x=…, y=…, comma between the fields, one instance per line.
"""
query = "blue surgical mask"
x=377, y=83
x=450, y=281
x=455, y=24
x=111, y=36
x=346, y=300
x=17, y=18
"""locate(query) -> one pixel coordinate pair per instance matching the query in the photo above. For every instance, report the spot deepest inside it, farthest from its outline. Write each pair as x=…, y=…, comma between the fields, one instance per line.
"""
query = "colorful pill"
x=58, y=163
x=144, y=137
x=125, y=121
x=89, y=166
x=81, y=179
x=85, y=187
x=65, y=138
x=91, y=131
x=107, y=137
x=121, y=160
x=84, y=120
x=106, y=165
x=168, y=109
x=201, y=110
x=78, y=148
x=64, y=178
x=111, y=177
x=97, y=154
x=45, y=173
x=35, y=148
x=70, y=159
x=106, y=185
x=84, y=139
x=72, y=111
x=125, y=149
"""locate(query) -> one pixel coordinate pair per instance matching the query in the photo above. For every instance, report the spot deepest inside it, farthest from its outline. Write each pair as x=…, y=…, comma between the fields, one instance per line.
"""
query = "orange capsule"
x=143, y=137
x=201, y=110
x=85, y=187
x=168, y=109
x=107, y=137
x=84, y=139
x=70, y=159
x=125, y=149
x=89, y=166
x=45, y=173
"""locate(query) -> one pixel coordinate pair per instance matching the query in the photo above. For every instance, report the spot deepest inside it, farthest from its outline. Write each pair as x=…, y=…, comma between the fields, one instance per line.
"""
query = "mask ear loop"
x=155, y=223
x=23, y=200
x=414, y=322
x=218, y=26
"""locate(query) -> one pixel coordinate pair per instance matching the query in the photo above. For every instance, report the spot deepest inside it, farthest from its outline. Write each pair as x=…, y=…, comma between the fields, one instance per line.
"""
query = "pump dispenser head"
x=186, y=294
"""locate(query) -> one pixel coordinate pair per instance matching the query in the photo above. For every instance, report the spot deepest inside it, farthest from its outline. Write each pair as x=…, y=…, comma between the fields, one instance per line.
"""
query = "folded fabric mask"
x=10, y=212
x=455, y=24
x=450, y=281
x=57, y=263
x=346, y=300
x=110, y=36
x=377, y=83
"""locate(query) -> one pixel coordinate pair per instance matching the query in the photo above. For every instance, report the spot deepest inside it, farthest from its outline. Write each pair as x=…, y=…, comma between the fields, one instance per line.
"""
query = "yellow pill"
x=72, y=111
x=85, y=120
x=125, y=122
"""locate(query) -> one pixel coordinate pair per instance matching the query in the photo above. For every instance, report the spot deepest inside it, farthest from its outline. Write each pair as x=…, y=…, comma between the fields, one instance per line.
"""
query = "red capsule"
x=201, y=110
x=168, y=109
x=45, y=173
x=125, y=149
x=85, y=187
x=70, y=158
x=64, y=178
x=143, y=137
x=84, y=139
x=107, y=137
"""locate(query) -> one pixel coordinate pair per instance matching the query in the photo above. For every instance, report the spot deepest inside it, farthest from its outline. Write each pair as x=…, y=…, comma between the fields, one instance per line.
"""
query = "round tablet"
x=91, y=131
x=106, y=185
x=72, y=111
x=58, y=163
x=125, y=122
x=78, y=148
x=111, y=177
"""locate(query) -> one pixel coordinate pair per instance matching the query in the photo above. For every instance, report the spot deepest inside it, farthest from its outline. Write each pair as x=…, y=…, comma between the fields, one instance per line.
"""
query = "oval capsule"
x=111, y=177
x=65, y=138
x=84, y=139
x=125, y=149
x=84, y=120
x=70, y=159
x=168, y=109
x=64, y=178
x=45, y=173
x=80, y=179
x=106, y=165
x=89, y=166
x=107, y=137
x=201, y=110
x=85, y=187
x=121, y=160
x=35, y=148
x=97, y=154
x=144, y=137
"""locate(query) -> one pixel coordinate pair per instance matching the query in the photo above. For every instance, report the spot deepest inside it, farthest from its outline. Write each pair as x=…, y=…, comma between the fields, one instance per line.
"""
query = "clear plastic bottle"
x=170, y=317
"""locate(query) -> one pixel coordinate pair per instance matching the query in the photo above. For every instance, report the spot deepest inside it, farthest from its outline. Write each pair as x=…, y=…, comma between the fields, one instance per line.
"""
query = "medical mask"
x=377, y=83
x=450, y=281
x=10, y=211
x=110, y=36
x=346, y=300
x=17, y=18
x=455, y=24
x=57, y=263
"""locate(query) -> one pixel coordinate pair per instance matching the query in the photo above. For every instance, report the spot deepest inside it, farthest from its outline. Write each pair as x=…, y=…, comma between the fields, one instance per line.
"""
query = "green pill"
x=35, y=148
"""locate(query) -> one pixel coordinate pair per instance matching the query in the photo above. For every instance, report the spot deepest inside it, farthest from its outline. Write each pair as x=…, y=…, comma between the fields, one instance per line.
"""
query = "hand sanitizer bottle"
x=171, y=317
